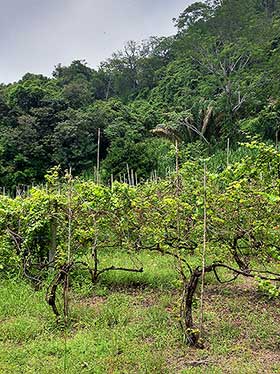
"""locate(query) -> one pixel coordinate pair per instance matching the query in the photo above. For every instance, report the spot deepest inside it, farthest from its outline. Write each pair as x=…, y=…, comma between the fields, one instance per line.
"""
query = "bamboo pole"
x=228, y=150
x=132, y=178
x=53, y=244
x=98, y=156
x=128, y=174
x=204, y=247
x=69, y=239
x=66, y=279
x=177, y=156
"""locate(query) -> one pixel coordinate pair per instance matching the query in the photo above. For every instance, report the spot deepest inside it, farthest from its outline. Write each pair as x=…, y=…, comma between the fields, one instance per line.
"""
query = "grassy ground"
x=129, y=324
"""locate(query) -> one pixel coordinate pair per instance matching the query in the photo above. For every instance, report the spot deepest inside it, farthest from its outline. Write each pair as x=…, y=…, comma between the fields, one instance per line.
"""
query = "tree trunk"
x=192, y=335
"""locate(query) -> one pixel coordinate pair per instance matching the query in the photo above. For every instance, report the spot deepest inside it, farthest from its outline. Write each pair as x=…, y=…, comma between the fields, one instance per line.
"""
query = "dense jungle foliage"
x=217, y=78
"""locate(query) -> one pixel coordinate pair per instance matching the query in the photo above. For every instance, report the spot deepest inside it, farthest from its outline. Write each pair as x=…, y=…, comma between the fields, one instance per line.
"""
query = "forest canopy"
x=217, y=78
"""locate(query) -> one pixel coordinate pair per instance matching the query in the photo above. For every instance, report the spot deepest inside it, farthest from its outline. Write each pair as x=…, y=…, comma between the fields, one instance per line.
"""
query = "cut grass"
x=128, y=323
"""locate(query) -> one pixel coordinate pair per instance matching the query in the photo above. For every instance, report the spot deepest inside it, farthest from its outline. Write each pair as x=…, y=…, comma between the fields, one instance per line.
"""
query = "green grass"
x=129, y=324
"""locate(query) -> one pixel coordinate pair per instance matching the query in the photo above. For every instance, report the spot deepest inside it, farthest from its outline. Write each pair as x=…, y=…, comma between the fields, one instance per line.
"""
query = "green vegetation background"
x=219, y=75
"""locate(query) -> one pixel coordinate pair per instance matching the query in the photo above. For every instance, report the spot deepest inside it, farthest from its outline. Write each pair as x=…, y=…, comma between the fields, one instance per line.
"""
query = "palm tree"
x=180, y=130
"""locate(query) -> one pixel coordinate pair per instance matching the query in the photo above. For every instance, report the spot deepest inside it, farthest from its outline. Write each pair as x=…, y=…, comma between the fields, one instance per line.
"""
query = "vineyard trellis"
x=166, y=216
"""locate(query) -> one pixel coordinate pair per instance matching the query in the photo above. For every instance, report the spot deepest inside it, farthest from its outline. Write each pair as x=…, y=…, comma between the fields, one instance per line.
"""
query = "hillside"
x=216, y=79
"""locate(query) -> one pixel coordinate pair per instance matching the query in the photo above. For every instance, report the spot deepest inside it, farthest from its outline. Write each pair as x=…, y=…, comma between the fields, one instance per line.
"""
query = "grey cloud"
x=38, y=34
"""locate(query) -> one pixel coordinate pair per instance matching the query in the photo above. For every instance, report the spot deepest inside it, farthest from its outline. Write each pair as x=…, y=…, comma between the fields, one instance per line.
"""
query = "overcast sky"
x=35, y=35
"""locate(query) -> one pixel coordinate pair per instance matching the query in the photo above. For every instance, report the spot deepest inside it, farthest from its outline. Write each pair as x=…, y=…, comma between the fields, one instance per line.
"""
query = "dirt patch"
x=93, y=302
x=191, y=358
x=267, y=360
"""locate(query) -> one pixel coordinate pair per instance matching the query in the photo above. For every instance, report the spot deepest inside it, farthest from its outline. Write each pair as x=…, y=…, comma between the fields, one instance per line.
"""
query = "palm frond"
x=166, y=132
